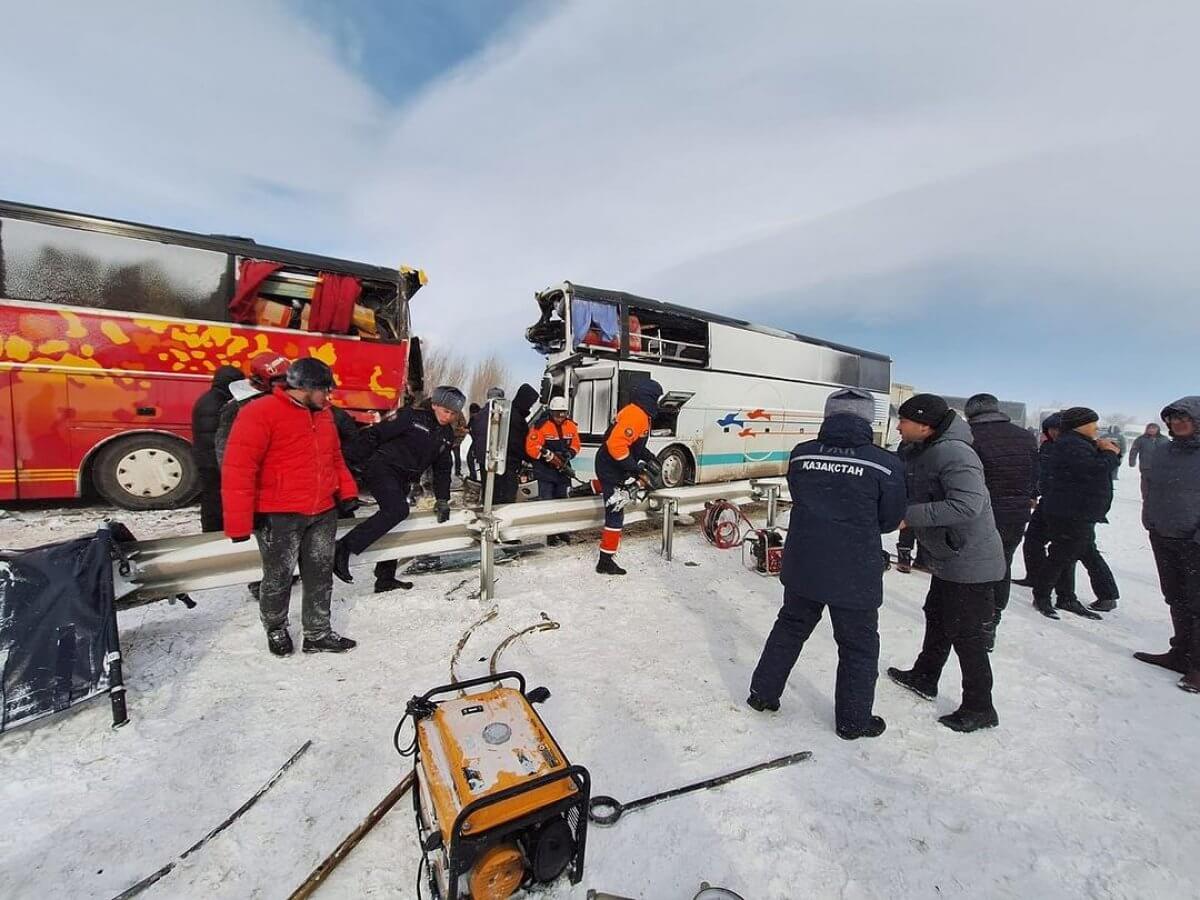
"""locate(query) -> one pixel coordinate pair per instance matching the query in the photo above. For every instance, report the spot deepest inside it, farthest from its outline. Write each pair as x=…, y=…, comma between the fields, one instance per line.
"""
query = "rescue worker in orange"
x=623, y=464
x=552, y=443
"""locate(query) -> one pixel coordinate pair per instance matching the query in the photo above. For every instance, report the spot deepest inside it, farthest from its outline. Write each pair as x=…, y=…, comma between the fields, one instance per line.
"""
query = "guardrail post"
x=772, y=503
x=670, y=505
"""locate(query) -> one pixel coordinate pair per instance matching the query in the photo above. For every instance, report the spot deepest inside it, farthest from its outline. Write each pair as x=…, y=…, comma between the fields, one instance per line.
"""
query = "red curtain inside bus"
x=333, y=303
x=252, y=274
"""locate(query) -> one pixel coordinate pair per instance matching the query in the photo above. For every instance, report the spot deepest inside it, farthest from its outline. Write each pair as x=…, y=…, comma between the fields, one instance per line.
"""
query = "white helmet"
x=558, y=404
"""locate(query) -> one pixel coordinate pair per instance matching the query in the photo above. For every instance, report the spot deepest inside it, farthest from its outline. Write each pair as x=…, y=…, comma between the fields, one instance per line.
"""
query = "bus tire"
x=146, y=471
x=677, y=467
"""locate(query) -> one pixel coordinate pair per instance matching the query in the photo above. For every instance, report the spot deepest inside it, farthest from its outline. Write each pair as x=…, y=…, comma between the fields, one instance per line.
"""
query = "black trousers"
x=1104, y=585
x=1010, y=536
x=506, y=486
x=288, y=539
x=1070, y=542
x=552, y=489
x=857, y=634
x=211, y=518
x=955, y=616
x=1178, y=562
x=456, y=455
x=389, y=487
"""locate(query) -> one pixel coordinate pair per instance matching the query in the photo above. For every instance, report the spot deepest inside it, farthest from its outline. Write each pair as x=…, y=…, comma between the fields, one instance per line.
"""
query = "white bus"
x=738, y=397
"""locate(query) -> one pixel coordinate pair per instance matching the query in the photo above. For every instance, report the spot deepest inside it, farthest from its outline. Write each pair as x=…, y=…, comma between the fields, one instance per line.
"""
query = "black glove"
x=241, y=540
x=443, y=510
x=346, y=508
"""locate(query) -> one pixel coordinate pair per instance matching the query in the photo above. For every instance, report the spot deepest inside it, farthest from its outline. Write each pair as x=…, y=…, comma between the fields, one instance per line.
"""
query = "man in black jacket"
x=206, y=415
x=417, y=439
x=478, y=427
x=1172, y=514
x=1009, y=455
x=1076, y=496
x=1145, y=449
x=846, y=493
x=507, y=485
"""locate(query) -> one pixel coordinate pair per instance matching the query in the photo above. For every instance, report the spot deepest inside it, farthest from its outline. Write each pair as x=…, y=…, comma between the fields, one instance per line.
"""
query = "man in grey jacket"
x=1172, y=514
x=951, y=512
x=1143, y=452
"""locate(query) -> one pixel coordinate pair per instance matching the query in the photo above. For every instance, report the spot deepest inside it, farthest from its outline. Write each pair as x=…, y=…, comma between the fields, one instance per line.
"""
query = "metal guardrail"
x=170, y=566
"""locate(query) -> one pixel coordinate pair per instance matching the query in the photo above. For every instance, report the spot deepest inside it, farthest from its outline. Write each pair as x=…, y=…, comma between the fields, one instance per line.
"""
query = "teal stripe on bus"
x=737, y=459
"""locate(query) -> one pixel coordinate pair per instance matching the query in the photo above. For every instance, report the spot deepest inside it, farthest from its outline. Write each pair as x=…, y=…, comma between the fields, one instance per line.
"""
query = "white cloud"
x=720, y=153
x=229, y=114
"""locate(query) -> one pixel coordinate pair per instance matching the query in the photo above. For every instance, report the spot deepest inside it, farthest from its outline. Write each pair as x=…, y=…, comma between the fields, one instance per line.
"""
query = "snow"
x=1087, y=788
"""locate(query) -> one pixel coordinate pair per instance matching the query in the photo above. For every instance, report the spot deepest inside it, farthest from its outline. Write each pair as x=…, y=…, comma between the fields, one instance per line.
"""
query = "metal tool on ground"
x=498, y=804
x=605, y=811
x=318, y=875
x=706, y=892
x=146, y=882
x=547, y=624
x=726, y=526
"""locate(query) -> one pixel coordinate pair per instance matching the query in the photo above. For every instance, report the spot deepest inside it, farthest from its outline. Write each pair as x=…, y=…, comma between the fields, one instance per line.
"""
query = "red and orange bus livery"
x=110, y=330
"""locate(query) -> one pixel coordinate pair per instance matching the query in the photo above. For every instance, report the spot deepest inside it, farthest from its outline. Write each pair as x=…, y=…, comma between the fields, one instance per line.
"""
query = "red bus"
x=110, y=330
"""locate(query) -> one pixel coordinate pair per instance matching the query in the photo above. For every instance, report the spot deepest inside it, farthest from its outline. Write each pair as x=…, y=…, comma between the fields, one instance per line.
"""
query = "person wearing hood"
x=950, y=509
x=477, y=425
x=1172, y=514
x=206, y=416
x=1076, y=496
x=418, y=438
x=1010, y=460
x=623, y=461
x=1104, y=586
x=846, y=493
x=507, y=485
x=1143, y=452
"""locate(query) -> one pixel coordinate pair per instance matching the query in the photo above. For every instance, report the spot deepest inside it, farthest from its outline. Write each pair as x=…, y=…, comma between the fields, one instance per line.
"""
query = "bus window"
x=284, y=299
x=595, y=324
x=69, y=266
x=667, y=338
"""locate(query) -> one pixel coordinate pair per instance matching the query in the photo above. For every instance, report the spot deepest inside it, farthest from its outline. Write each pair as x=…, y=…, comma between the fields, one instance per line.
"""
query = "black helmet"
x=310, y=375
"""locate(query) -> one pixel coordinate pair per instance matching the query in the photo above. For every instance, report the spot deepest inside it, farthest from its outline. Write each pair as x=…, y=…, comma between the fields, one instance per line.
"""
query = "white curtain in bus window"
x=588, y=316
x=52, y=264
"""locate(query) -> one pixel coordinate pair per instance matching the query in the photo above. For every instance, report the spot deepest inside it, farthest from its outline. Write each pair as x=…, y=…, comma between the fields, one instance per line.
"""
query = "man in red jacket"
x=284, y=478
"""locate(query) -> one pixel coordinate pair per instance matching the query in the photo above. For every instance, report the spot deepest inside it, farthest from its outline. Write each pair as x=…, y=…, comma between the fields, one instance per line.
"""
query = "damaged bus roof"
x=620, y=297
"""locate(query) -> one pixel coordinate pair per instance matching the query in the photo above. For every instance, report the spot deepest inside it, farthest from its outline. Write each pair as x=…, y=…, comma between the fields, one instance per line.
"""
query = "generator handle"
x=475, y=682
x=578, y=774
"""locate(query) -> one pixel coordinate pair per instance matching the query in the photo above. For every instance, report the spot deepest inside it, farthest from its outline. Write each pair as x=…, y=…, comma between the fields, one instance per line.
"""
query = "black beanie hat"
x=1076, y=416
x=927, y=409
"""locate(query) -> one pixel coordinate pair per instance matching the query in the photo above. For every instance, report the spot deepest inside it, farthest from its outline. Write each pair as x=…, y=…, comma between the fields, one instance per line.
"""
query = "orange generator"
x=498, y=805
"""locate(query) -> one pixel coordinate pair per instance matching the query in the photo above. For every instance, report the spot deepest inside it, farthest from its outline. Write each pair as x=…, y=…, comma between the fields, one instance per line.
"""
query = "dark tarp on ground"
x=57, y=624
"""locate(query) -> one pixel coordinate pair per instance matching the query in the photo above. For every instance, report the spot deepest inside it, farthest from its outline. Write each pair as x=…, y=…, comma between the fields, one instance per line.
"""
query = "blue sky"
x=1002, y=197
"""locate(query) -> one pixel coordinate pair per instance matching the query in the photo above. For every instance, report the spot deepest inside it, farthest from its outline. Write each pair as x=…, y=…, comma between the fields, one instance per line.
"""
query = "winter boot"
x=1072, y=605
x=384, y=585
x=1105, y=605
x=1172, y=660
x=758, y=703
x=341, y=562
x=279, y=642
x=903, y=560
x=1044, y=607
x=967, y=720
x=921, y=685
x=1190, y=682
x=608, y=565
x=331, y=643
x=874, y=728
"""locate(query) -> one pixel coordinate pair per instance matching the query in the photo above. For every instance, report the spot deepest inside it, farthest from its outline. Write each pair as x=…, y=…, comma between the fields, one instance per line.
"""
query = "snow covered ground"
x=1088, y=788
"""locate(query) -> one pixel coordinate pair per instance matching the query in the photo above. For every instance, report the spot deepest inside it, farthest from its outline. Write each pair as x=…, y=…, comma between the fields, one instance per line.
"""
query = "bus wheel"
x=676, y=467
x=145, y=471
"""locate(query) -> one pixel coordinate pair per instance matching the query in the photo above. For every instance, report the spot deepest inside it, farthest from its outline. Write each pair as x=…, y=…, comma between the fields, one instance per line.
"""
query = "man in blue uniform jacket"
x=846, y=492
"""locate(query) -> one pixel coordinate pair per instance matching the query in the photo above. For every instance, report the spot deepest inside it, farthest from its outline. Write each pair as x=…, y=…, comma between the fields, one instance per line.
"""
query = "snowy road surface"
x=1088, y=789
